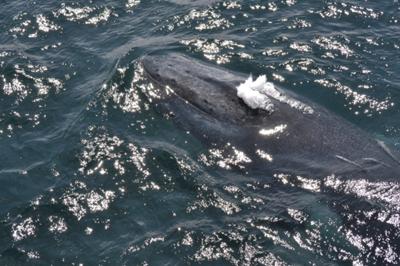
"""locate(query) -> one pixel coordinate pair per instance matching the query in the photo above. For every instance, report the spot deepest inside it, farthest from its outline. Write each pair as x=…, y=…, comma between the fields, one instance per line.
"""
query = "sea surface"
x=92, y=174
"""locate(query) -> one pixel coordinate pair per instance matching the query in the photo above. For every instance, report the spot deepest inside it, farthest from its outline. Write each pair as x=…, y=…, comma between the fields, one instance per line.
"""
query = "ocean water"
x=92, y=174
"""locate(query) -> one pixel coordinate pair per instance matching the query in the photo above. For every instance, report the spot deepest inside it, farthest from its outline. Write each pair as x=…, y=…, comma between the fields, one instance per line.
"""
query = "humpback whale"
x=313, y=141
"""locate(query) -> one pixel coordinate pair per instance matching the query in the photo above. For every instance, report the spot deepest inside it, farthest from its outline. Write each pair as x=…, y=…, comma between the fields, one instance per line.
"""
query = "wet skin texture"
x=320, y=144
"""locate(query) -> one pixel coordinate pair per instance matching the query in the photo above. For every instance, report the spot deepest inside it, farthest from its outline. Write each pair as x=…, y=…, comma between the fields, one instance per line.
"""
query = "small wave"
x=218, y=50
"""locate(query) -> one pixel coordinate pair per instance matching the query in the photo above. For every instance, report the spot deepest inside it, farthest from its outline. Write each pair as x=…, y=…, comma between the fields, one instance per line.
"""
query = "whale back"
x=205, y=102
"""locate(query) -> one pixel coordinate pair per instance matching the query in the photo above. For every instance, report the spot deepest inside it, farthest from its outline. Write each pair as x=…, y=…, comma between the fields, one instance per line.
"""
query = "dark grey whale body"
x=205, y=102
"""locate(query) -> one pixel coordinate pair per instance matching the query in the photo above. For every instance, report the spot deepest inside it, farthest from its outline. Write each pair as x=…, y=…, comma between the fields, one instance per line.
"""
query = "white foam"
x=257, y=94
x=252, y=93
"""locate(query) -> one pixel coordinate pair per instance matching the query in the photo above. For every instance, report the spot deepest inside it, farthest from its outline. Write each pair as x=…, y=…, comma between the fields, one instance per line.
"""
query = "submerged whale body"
x=202, y=98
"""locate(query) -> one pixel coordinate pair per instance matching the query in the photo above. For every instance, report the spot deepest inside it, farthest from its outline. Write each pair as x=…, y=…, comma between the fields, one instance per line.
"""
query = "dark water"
x=91, y=174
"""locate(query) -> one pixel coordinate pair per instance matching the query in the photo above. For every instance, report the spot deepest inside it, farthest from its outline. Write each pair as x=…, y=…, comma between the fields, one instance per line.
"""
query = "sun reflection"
x=273, y=131
x=226, y=157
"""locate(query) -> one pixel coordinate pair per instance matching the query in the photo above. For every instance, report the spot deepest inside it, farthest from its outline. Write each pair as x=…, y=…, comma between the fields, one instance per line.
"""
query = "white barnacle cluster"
x=257, y=94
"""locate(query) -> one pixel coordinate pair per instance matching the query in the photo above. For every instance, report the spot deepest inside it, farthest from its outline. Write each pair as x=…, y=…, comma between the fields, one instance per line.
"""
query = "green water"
x=91, y=173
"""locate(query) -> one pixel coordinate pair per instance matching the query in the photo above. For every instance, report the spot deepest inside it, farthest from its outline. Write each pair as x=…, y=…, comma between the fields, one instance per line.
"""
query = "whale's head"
x=207, y=87
x=178, y=70
x=163, y=69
